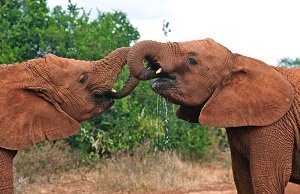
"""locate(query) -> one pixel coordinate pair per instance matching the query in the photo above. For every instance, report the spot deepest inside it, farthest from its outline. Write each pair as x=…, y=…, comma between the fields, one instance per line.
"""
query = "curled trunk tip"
x=117, y=59
x=137, y=54
x=127, y=88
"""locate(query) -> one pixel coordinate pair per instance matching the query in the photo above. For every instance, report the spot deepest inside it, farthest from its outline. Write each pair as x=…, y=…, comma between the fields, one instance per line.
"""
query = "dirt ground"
x=85, y=187
x=163, y=173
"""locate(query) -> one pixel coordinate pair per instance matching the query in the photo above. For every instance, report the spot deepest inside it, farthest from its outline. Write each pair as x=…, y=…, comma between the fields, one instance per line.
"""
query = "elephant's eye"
x=192, y=60
x=83, y=78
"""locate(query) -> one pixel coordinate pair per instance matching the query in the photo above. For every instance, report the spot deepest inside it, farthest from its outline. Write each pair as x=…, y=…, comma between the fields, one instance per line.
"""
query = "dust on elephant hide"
x=46, y=98
x=258, y=105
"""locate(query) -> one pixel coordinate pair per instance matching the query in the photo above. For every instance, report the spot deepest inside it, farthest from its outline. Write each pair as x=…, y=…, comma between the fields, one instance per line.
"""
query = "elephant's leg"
x=240, y=164
x=271, y=159
x=271, y=176
x=241, y=173
x=6, y=170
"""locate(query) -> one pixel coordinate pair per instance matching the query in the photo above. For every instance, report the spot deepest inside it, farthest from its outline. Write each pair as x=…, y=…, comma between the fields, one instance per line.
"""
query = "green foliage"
x=28, y=29
x=288, y=62
x=21, y=29
x=166, y=29
x=72, y=35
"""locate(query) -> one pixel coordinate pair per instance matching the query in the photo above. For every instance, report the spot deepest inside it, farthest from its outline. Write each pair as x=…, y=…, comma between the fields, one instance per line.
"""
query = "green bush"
x=28, y=29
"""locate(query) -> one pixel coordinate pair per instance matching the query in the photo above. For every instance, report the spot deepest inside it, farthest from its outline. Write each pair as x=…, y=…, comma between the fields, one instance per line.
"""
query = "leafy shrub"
x=139, y=119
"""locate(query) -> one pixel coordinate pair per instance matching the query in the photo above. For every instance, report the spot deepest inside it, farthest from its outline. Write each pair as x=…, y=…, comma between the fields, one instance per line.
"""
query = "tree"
x=28, y=29
x=288, y=62
x=22, y=27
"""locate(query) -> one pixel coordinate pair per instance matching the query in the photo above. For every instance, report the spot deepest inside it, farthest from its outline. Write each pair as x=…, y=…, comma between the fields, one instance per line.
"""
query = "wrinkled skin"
x=258, y=105
x=46, y=98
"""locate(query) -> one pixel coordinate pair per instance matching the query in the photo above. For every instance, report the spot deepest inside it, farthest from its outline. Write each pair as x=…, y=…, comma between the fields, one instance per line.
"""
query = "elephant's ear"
x=27, y=117
x=254, y=95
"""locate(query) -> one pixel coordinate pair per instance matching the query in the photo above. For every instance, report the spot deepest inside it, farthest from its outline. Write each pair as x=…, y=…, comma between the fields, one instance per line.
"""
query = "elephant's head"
x=213, y=86
x=46, y=98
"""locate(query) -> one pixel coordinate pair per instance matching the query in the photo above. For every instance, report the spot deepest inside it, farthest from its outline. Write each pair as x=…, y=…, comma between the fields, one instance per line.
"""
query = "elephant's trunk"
x=127, y=89
x=115, y=61
x=147, y=49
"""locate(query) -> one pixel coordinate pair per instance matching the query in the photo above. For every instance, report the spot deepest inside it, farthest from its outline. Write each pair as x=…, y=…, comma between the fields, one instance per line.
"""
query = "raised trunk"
x=115, y=62
x=149, y=50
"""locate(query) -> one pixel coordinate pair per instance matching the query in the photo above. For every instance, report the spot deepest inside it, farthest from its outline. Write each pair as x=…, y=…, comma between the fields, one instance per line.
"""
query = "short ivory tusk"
x=113, y=90
x=159, y=71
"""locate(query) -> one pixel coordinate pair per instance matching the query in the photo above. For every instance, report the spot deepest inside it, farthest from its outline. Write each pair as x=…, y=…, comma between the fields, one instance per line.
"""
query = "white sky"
x=263, y=29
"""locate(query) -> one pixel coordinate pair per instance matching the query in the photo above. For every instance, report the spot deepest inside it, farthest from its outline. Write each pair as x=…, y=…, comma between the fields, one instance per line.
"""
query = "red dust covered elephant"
x=258, y=104
x=46, y=98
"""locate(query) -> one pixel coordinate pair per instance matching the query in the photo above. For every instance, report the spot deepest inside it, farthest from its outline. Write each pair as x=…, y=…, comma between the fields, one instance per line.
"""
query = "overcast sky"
x=266, y=30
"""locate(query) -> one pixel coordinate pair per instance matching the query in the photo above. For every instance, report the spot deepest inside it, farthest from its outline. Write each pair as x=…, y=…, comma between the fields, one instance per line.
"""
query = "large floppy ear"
x=29, y=115
x=255, y=95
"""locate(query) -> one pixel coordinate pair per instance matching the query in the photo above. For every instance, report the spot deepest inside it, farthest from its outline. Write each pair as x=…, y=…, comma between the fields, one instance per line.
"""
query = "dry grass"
x=55, y=167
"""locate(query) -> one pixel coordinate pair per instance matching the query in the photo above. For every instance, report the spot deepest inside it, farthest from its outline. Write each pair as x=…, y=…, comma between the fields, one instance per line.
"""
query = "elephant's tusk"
x=113, y=90
x=159, y=71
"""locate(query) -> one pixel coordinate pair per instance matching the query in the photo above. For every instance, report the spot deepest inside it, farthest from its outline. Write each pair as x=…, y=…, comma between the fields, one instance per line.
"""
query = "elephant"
x=258, y=105
x=46, y=98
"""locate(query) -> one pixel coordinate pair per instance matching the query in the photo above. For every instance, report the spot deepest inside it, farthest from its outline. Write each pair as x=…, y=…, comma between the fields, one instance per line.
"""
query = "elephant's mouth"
x=152, y=63
x=102, y=99
x=157, y=69
x=165, y=84
x=166, y=87
x=101, y=102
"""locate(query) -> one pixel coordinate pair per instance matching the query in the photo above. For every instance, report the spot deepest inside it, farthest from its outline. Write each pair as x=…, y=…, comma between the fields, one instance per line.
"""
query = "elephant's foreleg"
x=240, y=162
x=240, y=167
x=241, y=173
x=6, y=170
x=271, y=159
x=271, y=176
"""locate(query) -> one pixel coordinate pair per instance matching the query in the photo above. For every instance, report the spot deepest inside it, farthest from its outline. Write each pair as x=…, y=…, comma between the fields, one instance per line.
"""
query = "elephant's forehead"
x=65, y=64
x=74, y=67
x=197, y=45
x=78, y=64
x=205, y=49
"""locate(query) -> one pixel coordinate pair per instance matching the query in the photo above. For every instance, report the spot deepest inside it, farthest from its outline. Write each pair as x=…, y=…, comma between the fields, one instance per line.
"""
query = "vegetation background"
x=29, y=29
x=140, y=125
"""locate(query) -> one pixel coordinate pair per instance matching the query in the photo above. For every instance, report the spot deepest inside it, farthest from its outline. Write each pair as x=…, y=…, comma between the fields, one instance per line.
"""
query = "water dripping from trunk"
x=162, y=113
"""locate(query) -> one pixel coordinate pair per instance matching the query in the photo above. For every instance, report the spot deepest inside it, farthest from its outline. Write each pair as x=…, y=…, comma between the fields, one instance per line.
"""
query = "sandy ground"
x=85, y=187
